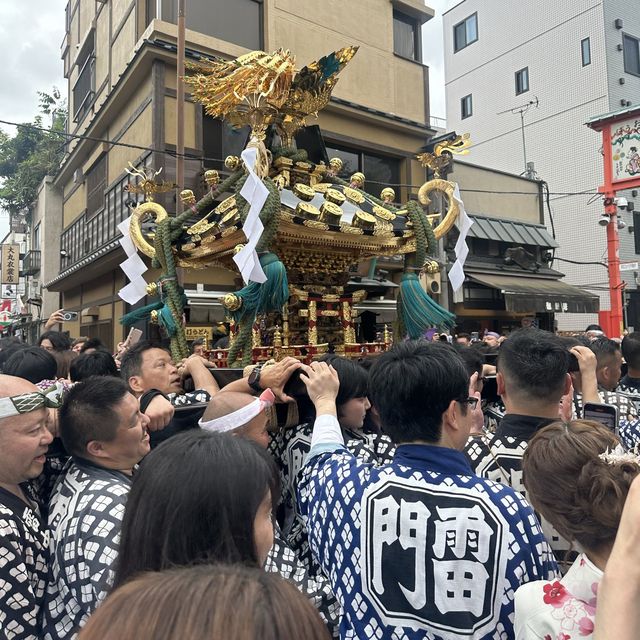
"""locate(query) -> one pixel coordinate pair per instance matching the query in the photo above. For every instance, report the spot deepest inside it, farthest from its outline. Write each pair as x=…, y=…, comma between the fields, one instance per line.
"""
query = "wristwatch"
x=254, y=379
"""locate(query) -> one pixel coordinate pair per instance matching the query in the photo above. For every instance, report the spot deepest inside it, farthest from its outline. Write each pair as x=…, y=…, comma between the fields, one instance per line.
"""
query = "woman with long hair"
x=206, y=603
x=577, y=478
x=198, y=498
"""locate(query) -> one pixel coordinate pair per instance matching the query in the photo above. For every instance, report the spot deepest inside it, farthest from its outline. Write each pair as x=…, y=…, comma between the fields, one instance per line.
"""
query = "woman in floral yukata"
x=577, y=477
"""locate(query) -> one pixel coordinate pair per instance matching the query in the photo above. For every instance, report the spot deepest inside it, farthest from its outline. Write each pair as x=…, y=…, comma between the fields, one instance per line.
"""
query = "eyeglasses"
x=472, y=402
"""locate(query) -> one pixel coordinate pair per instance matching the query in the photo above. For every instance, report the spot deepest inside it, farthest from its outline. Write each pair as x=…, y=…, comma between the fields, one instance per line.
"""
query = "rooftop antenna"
x=522, y=109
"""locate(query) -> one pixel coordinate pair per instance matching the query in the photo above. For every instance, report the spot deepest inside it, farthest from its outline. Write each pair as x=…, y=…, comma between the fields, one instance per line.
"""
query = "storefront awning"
x=524, y=295
x=511, y=231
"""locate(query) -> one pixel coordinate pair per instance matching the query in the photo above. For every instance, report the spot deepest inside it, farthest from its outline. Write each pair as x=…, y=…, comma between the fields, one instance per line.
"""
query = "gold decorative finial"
x=147, y=184
x=388, y=195
x=335, y=166
x=154, y=317
x=442, y=155
x=188, y=198
x=211, y=177
x=231, y=302
x=152, y=289
x=357, y=180
x=232, y=163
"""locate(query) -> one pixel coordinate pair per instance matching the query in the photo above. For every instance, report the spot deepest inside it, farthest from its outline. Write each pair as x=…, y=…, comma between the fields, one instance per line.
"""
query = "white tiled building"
x=576, y=59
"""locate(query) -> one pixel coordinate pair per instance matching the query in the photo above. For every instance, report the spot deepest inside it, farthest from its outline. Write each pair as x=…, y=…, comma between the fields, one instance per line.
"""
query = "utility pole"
x=180, y=105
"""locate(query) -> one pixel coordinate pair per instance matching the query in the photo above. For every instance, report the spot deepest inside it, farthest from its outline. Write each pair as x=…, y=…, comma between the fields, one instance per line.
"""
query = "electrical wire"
x=602, y=264
x=191, y=156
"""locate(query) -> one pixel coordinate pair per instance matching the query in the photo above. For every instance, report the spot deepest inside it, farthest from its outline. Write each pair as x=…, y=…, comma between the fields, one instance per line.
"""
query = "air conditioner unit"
x=433, y=283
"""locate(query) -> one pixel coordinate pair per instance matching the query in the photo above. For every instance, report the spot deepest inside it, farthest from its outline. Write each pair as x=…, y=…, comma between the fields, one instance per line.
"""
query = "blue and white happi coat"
x=421, y=547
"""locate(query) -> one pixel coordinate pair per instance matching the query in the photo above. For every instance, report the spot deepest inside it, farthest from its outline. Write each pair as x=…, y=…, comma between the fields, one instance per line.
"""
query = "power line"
x=191, y=156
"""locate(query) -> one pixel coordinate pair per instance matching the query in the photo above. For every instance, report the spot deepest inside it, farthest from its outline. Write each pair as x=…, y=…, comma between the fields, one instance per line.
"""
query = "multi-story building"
x=120, y=61
x=523, y=78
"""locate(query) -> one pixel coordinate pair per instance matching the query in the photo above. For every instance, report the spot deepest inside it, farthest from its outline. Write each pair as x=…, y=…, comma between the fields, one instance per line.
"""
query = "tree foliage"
x=35, y=151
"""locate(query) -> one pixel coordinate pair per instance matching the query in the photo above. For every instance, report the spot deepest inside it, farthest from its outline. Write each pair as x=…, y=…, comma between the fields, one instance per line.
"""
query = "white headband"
x=240, y=417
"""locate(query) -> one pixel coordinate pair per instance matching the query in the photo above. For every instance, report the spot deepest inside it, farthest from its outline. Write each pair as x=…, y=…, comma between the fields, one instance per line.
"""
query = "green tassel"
x=139, y=314
x=165, y=320
x=418, y=311
x=270, y=295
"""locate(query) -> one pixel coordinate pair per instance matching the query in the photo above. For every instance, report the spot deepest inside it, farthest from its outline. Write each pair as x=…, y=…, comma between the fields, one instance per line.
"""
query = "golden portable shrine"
x=291, y=227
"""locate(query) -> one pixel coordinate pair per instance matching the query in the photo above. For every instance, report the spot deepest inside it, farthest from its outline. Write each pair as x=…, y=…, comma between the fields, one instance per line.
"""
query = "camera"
x=69, y=315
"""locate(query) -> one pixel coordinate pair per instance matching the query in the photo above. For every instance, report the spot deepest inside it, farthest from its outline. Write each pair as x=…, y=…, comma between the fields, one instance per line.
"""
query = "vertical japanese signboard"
x=10, y=263
x=625, y=149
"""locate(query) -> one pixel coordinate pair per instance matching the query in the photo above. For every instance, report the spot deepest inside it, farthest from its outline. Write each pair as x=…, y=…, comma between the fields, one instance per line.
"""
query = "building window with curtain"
x=585, y=47
x=406, y=36
x=522, y=81
x=465, y=32
x=631, y=48
x=466, y=106
x=379, y=170
x=96, y=184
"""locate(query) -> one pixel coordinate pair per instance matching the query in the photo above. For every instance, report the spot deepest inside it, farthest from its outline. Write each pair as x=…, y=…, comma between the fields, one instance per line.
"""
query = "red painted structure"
x=611, y=321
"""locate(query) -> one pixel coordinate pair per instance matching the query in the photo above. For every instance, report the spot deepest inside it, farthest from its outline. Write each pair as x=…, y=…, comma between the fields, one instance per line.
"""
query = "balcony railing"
x=31, y=262
x=86, y=235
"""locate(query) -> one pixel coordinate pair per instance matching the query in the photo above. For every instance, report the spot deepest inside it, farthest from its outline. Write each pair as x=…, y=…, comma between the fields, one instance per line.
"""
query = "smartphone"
x=70, y=315
x=133, y=337
x=607, y=414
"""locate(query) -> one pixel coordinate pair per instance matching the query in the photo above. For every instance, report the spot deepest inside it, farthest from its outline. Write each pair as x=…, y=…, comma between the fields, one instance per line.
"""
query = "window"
x=379, y=170
x=631, y=47
x=96, y=183
x=35, y=238
x=406, y=36
x=522, y=81
x=585, y=46
x=465, y=32
x=220, y=140
x=239, y=21
x=466, y=106
x=84, y=88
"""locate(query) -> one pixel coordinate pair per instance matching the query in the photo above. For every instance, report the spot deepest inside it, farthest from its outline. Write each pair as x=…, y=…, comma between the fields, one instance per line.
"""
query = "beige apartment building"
x=120, y=61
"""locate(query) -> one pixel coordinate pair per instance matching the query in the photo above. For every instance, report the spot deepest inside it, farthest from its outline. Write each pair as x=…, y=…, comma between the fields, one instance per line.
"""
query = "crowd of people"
x=447, y=488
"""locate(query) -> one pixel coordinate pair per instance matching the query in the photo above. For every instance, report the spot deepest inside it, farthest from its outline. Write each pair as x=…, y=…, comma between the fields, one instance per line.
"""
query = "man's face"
x=131, y=443
x=256, y=430
x=24, y=441
x=492, y=341
x=609, y=375
x=159, y=372
x=76, y=347
x=199, y=350
x=463, y=341
x=47, y=345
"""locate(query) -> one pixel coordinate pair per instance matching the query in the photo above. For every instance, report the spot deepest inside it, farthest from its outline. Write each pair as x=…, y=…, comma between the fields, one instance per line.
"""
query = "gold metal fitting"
x=152, y=289
x=335, y=196
x=306, y=210
x=330, y=213
x=335, y=164
x=388, y=195
x=304, y=192
x=187, y=197
x=363, y=220
x=237, y=249
x=232, y=163
x=229, y=219
x=211, y=177
x=353, y=195
x=432, y=266
x=231, y=301
x=357, y=180
x=383, y=213
x=154, y=317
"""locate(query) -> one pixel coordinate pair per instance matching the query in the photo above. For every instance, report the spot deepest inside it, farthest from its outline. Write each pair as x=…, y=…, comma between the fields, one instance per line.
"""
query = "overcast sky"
x=31, y=32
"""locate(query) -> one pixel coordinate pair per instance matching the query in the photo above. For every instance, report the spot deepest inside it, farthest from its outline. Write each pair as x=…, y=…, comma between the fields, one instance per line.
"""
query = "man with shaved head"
x=24, y=440
x=244, y=415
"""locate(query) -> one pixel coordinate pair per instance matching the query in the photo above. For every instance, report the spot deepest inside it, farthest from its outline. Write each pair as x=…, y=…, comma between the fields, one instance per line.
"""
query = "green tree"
x=36, y=150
